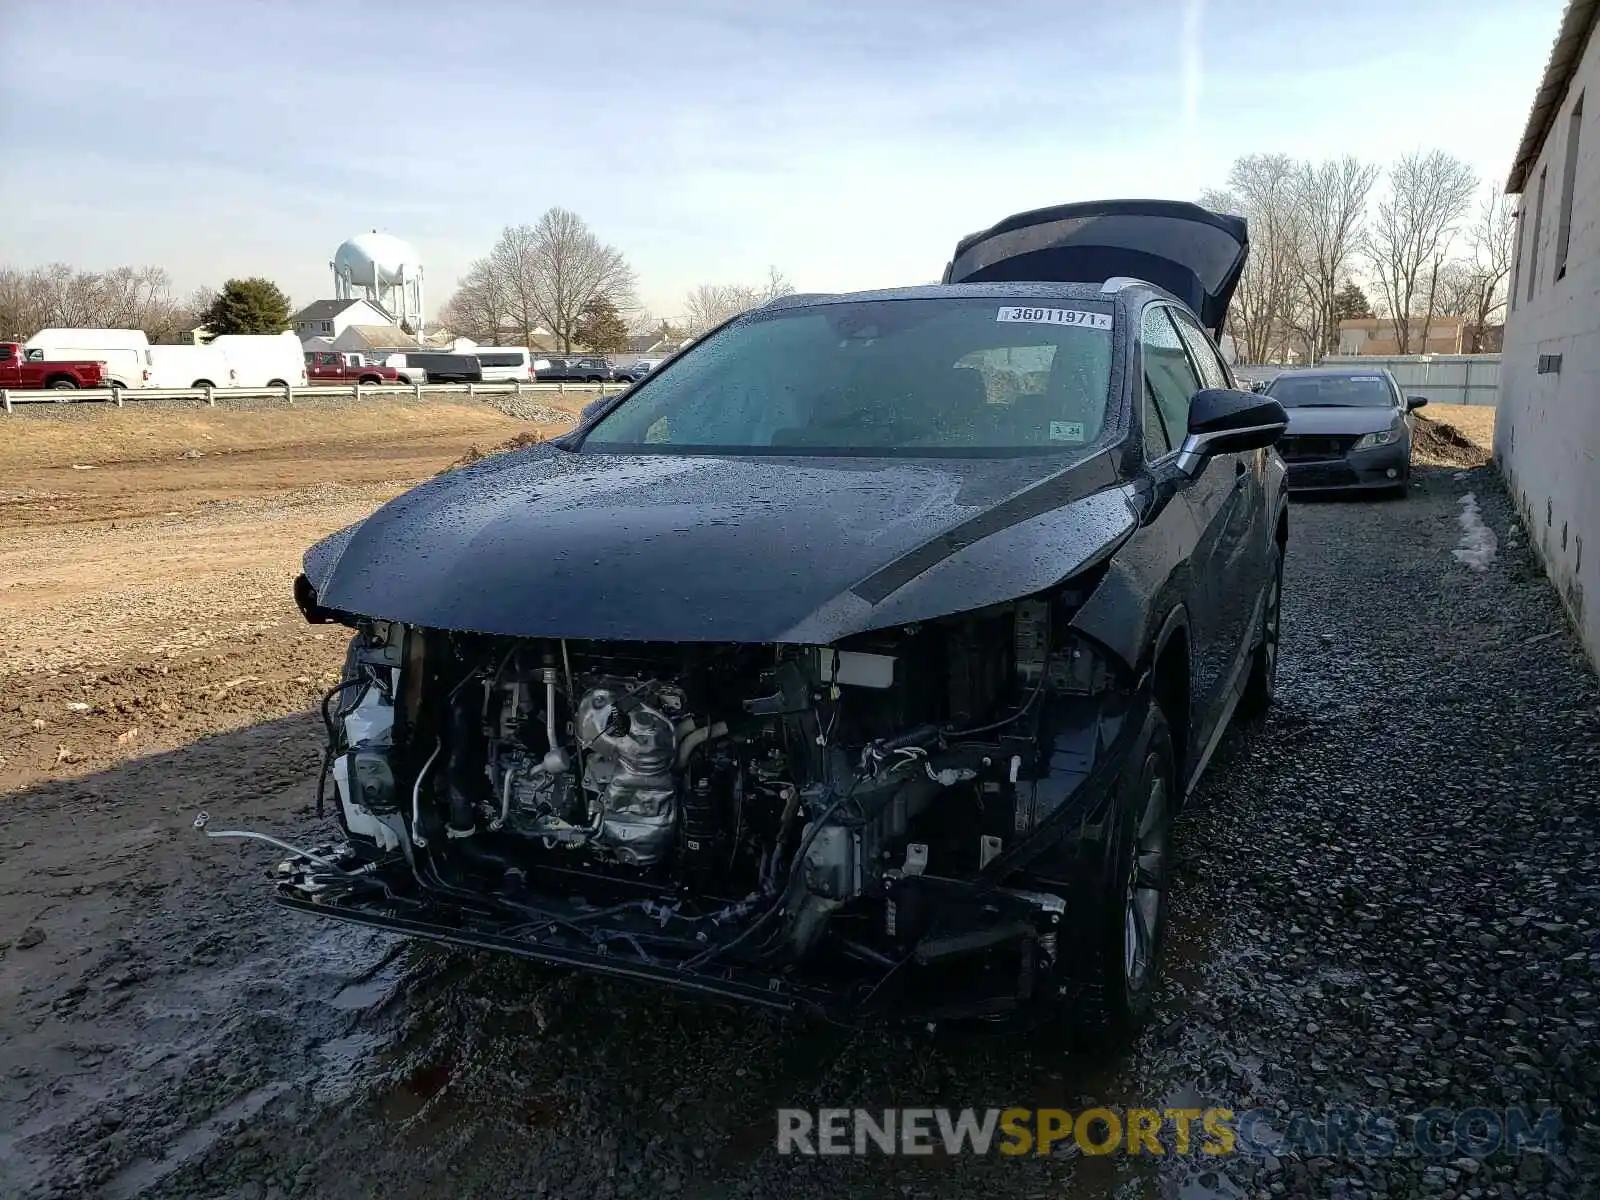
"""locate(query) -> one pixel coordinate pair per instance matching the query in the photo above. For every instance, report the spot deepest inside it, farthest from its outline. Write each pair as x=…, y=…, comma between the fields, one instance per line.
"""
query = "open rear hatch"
x=1192, y=252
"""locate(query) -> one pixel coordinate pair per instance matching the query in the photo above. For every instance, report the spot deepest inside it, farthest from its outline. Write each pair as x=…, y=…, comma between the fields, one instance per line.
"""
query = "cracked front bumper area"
x=990, y=946
x=983, y=961
x=1378, y=469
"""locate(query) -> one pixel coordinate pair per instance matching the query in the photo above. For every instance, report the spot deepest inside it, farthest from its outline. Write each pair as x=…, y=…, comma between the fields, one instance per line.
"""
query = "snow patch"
x=1478, y=544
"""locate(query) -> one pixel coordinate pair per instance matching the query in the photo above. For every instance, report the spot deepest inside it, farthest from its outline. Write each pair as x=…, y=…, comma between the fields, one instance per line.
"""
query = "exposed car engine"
x=710, y=799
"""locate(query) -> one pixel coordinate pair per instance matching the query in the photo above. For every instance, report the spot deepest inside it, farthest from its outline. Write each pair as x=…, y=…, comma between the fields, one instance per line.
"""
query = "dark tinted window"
x=1169, y=377
x=1212, y=373
x=489, y=358
x=442, y=362
x=1331, y=391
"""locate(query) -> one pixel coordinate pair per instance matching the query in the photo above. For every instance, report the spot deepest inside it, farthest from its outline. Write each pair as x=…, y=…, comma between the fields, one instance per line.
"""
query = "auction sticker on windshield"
x=1055, y=316
x=1066, y=431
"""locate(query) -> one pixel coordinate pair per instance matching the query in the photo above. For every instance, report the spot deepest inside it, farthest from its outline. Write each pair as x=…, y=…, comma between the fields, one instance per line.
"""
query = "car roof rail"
x=1117, y=282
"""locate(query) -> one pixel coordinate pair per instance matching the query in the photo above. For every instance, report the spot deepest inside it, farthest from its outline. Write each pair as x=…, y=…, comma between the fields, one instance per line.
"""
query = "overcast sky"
x=848, y=143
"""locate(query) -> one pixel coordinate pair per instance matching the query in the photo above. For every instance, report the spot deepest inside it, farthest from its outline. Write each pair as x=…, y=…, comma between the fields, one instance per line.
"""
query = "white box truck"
x=126, y=352
x=260, y=360
x=189, y=367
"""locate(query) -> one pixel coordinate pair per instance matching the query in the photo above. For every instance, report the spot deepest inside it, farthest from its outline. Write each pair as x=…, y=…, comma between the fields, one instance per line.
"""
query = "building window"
x=1569, y=177
x=1516, y=259
x=1538, y=223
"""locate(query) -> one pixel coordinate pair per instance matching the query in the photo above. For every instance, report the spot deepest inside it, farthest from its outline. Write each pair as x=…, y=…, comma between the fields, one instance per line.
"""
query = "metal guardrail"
x=357, y=391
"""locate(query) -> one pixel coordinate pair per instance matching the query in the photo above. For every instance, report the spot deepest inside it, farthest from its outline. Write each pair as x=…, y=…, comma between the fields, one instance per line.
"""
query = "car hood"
x=546, y=543
x=1321, y=421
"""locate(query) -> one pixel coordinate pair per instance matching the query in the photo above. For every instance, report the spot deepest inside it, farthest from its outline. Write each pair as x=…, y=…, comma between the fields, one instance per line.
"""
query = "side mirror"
x=1222, y=421
x=591, y=409
x=1415, y=402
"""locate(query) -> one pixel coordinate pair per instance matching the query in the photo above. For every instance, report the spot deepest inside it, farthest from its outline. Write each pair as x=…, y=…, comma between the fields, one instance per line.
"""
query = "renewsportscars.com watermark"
x=1351, y=1132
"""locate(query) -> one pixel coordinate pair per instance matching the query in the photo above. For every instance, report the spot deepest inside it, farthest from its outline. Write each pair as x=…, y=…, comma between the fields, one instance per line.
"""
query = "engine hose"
x=459, y=774
x=777, y=902
x=416, y=796
x=1027, y=706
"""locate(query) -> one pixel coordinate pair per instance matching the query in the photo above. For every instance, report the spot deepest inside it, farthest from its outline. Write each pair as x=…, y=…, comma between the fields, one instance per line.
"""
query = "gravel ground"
x=1386, y=898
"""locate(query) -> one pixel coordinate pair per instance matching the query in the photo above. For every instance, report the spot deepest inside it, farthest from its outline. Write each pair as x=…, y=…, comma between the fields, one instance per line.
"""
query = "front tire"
x=1112, y=984
x=1261, y=688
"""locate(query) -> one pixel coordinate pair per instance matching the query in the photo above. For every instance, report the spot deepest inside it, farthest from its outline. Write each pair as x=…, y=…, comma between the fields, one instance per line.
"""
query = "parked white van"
x=126, y=352
x=502, y=364
x=189, y=367
x=261, y=360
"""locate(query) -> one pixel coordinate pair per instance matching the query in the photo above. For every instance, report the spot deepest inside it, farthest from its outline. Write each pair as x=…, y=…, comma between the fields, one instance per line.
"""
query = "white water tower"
x=383, y=269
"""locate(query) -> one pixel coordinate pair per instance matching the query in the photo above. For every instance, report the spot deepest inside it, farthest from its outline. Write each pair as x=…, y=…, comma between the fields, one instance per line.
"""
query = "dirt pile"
x=521, y=442
x=1438, y=444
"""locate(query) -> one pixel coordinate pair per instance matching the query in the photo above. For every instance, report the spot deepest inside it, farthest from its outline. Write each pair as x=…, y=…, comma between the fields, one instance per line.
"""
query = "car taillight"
x=147, y=376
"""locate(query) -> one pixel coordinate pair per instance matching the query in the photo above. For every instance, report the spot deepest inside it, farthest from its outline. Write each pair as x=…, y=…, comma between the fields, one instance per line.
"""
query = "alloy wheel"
x=1145, y=900
x=1273, y=621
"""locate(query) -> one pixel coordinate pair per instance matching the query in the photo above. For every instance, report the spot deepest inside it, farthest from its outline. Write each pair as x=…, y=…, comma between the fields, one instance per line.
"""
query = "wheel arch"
x=1171, y=674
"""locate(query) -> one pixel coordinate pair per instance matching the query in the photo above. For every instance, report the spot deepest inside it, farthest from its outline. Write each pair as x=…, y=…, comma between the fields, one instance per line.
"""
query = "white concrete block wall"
x=1547, y=430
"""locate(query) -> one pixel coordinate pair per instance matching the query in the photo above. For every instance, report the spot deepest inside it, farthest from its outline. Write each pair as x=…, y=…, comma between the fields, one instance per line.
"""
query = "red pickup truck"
x=335, y=366
x=62, y=374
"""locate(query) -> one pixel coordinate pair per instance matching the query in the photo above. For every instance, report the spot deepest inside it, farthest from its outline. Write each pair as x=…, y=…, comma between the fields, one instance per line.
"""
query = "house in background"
x=379, y=340
x=1378, y=335
x=330, y=318
x=1547, y=430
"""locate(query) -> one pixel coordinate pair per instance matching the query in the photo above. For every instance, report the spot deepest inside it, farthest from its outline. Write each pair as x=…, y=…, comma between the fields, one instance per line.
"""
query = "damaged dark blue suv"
x=855, y=661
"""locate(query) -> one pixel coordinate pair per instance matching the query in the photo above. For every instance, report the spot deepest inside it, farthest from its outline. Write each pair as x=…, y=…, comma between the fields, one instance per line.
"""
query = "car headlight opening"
x=1383, y=437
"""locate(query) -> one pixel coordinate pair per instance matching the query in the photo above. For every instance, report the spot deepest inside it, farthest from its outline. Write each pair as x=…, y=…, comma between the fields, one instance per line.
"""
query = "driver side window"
x=1212, y=373
x=1169, y=377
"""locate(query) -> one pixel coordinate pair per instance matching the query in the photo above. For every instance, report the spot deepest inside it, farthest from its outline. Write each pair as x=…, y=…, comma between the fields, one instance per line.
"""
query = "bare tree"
x=540, y=277
x=710, y=304
x=550, y=271
x=61, y=296
x=1262, y=189
x=1332, y=200
x=1455, y=290
x=479, y=308
x=1411, y=236
x=199, y=302
x=1489, y=242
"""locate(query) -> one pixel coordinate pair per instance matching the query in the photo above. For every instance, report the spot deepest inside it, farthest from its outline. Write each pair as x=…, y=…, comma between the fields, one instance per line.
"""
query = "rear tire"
x=1262, y=686
x=277, y=383
x=202, y=383
x=63, y=385
x=1111, y=982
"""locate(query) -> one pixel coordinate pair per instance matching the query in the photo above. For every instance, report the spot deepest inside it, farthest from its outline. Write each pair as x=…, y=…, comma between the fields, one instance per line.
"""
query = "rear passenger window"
x=1169, y=377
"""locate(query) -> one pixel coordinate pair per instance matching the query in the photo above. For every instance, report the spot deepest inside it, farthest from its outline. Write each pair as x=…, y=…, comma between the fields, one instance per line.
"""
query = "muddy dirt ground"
x=1386, y=895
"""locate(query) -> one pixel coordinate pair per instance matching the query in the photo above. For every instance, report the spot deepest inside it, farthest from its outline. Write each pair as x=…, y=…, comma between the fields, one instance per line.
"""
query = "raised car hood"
x=1320, y=422
x=544, y=543
x=1192, y=252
